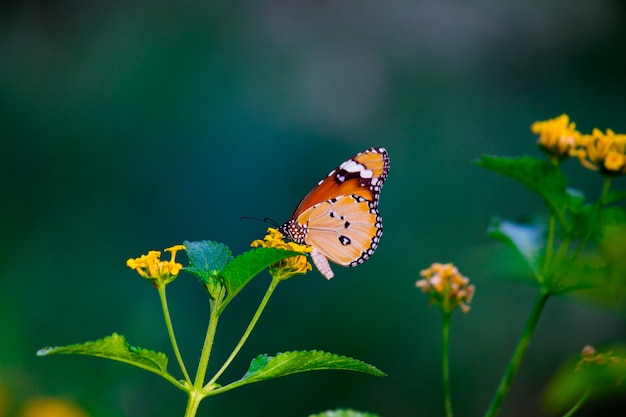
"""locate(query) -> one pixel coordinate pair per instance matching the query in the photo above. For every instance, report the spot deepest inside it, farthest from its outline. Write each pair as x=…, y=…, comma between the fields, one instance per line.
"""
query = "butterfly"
x=339, y=217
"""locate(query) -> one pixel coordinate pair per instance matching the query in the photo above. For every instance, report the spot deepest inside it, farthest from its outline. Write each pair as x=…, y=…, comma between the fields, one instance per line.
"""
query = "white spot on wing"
x=367, y=173
x=352, y=166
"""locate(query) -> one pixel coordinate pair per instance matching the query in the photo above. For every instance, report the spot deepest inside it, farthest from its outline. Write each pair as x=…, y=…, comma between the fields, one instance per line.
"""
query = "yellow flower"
x=557, y=136
x=603, y=151
x=446, y=287
x=294, y=265
x=614, y=161
x=598, y=151
x=153, y=269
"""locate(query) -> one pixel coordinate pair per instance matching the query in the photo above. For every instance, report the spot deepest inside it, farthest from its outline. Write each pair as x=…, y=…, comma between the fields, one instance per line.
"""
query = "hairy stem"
x=246, y=334
x=193, y=402
x=170, y=331
x=206, y=348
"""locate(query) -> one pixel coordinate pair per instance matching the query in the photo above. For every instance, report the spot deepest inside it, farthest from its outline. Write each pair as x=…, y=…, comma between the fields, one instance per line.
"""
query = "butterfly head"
x=294, y=231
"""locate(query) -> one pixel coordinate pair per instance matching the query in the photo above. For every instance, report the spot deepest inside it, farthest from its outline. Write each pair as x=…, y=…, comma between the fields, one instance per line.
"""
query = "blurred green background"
x=130, y=127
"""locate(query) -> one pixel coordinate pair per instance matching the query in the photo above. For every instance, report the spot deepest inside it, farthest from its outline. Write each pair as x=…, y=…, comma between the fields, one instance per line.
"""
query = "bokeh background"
x=127, y=127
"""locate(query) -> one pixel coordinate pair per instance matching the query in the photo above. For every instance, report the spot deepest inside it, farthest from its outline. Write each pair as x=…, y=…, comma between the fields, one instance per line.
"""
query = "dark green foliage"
x=116, y=348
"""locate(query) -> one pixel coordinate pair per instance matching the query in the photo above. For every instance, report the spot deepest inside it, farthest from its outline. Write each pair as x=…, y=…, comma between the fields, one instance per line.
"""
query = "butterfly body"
x=339, y=217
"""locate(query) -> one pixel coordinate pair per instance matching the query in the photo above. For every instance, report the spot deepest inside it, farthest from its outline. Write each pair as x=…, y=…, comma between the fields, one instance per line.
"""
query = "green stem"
x=518, y=353
x=195, y=392
x=580, y=402
x=243, y=339
x=597, y=206
x=193, y=402
x=605, y=189
x=206, y=348
x=549, y=244
x=445, y=361
x=170, y=331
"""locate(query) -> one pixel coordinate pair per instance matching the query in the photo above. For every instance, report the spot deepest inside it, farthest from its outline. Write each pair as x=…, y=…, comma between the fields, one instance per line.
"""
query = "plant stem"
x=549, y=245
x=597, y=206
x=578, y=404
x=206, y=348
x=243, y=339
x=518, y=353
x=605, y=189
x=193, y=402
x=195, y=392
x=170, y=331
x=445, y=361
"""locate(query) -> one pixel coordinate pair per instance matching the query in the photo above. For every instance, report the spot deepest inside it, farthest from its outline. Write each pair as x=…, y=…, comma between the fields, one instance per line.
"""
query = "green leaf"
x=501, y=264
x=580, y=276
x=603, y=285
x=265, y=367
x=576, y=198
x=542, y=177
x=584, y=222
x=116, y=348
x=614, y=196
x=248, y=265
x=612, y=245
x=612, y=218
x=591, y=223
x=526, y=238
x=341, y=412
x=572, y=381
x=207, y=259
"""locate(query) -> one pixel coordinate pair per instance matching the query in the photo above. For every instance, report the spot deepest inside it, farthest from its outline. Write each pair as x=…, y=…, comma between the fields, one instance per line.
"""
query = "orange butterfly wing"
x=345, y=230
x=363, y=174
x=339, y=217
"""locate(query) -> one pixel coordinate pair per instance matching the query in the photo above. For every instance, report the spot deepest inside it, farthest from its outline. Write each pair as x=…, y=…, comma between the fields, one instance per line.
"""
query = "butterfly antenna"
x=264, y=220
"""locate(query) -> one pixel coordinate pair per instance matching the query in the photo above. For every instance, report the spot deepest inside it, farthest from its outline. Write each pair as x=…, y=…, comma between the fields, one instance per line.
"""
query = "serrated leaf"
x=116, y=348
x=542, y=177
x=249, y=264
x=526, y=238
x=343, y=413
x=265, y=367
x=572, y=381
x=207, y=259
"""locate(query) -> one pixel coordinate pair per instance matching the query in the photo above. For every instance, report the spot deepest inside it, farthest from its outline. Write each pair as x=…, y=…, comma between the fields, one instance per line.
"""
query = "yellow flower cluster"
x=557, y=136
x=598, y=151
x=295, y=265
x=446, y=287
x=155, y=270
x=590, y=355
